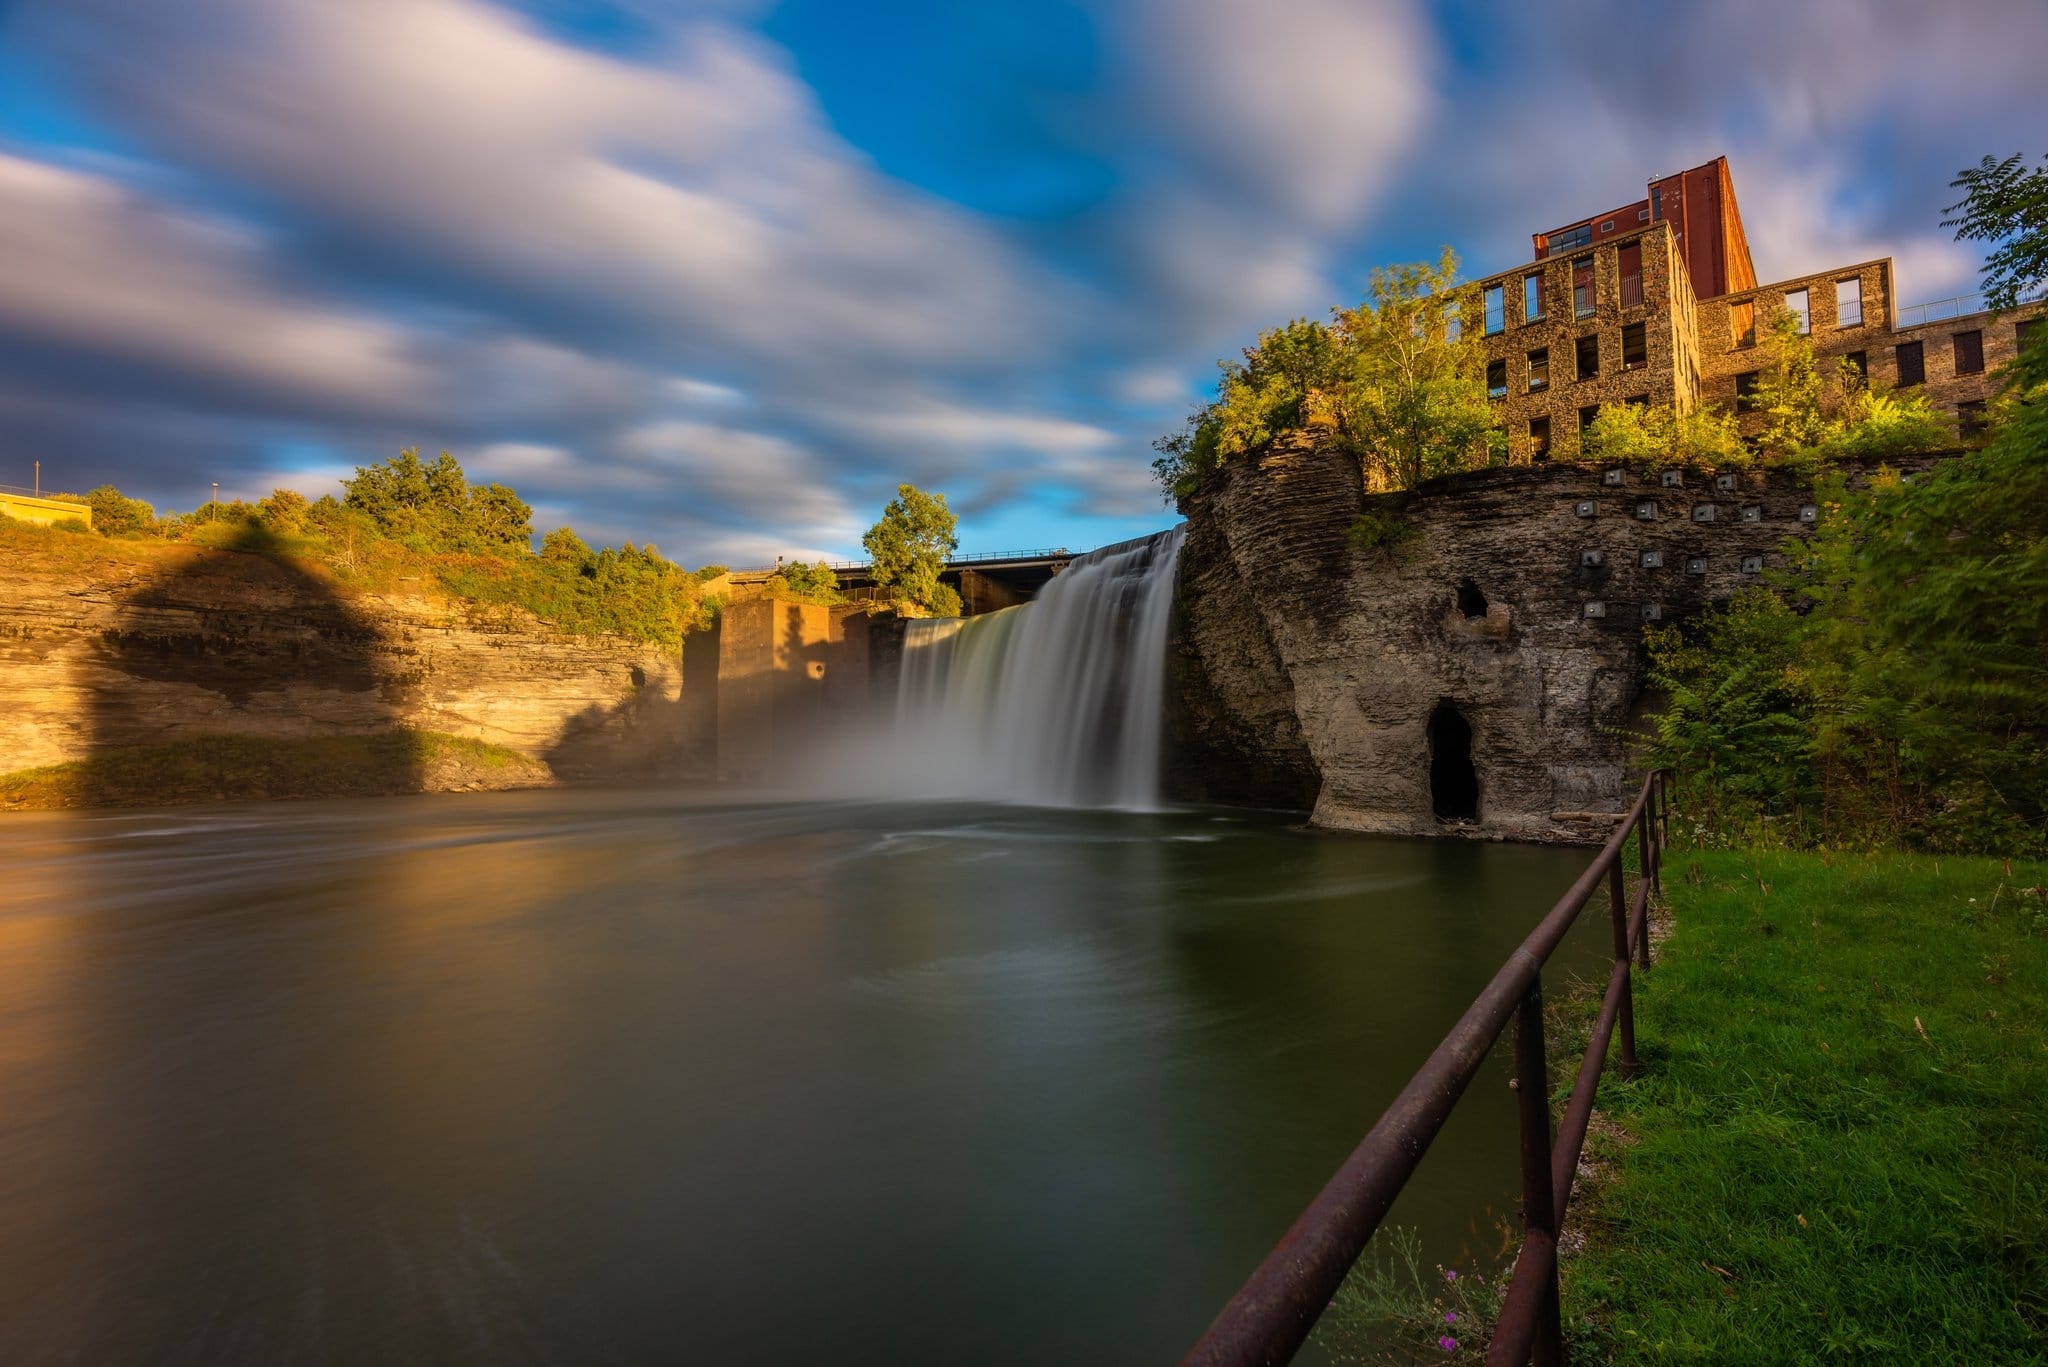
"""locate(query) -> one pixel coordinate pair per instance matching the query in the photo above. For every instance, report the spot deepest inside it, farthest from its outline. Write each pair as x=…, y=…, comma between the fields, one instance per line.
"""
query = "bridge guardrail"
x=1272, y=1314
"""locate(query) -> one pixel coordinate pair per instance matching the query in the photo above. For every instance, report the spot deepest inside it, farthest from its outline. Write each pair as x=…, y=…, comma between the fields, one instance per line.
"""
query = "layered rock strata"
x=1473, y=677
x=144, y=644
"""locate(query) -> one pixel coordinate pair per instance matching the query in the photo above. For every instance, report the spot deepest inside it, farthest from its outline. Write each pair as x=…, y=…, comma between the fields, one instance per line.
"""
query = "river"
x=577, y=1077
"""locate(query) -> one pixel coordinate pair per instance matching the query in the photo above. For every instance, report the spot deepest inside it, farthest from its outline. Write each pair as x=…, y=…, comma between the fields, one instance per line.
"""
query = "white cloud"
x=99, y=271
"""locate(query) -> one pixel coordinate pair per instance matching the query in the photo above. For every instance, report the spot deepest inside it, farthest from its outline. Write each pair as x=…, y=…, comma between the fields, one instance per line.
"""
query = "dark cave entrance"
x=1471, y=602
x=1453, y=782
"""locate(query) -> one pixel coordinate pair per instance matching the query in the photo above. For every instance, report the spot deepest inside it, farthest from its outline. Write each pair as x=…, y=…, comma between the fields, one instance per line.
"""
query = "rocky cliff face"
x=1473, y=679
x=145, y=644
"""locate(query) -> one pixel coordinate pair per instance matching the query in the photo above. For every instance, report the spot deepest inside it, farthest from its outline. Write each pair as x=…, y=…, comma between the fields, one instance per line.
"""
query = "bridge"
x=985, y=581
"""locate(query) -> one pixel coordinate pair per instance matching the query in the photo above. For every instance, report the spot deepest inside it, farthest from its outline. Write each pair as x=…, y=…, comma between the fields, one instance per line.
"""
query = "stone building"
x=1657, y=303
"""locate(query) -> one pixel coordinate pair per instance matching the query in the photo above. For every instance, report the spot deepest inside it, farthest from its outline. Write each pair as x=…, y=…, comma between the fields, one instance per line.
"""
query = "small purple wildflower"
x=1450, y=1275
x=1448, y=1344
x=1450, y=1317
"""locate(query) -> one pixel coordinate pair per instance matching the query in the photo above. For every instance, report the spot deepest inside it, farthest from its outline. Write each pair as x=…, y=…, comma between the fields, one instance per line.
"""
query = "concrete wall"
x=42, y=511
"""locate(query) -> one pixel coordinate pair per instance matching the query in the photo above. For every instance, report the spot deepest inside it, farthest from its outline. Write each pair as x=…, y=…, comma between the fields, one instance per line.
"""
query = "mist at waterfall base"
x=1059, y=702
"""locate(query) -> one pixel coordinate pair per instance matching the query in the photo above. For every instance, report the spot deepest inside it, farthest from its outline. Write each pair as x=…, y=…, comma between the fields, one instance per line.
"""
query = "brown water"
x=591, y=1078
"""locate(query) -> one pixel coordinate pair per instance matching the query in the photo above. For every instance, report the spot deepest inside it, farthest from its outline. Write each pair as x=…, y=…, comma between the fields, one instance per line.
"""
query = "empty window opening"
x=1587, y=415
x=1635, y=346
x=1795, y=303
x=1587, y=354
x=2023, y=330
x=1849, y=303
x=1912, y=360
x=1856, y=369
x=1582, y=286
x=1539, y=438
x=1970, y=420
x=1532, y=296
x=1630, y=257
x=1496, y=379
x=1745, y=391
x=1496, y=309
x=1742, y=322
x=1453, y=782
x=1471, y=602
x=1539, y=369
x=1970, y=352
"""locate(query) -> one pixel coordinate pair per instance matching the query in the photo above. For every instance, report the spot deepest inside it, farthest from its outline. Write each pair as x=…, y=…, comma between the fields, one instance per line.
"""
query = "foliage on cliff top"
x=1399, y=380
x=404, y=523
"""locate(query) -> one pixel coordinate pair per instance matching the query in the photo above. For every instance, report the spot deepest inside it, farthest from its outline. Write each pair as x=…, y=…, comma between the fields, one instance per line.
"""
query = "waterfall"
x=1056, y=703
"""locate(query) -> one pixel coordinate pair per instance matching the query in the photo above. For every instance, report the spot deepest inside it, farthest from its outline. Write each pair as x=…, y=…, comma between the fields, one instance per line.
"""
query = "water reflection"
x=548, y=1078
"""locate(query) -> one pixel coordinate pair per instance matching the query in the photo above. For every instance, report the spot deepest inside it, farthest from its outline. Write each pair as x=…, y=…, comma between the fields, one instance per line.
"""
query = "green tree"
x=2006, y=203
x=1792, y=389
x=115, y=514
x=563, y=547
x=1413, y=401
x=497, y=518
x=911, y=543
x=284, y=512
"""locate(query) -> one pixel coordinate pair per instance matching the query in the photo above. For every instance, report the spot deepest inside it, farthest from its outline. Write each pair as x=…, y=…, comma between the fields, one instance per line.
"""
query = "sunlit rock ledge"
x=1315, y=675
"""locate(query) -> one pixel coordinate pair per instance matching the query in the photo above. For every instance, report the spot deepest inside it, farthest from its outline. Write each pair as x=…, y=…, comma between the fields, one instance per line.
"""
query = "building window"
x=1586, y=416
x=1795, y=301
x=1539, y=438
x=1742, y=322
x=1912, y=364
x=1858, y=364
x=1637, y=401
x=2022, y=330
x=1630, y=257
x=1588, y=356
x=1539, y=369
x=1635, y=347
x=1496, y=309
x=1745, y=391
x=1849, y=303
x=1496, y=379
x=1642, y=215
x=1582, y=286
x=1532, y=296
x=1970, y=418
x=1568, y=239
x=1970, y=352
x=1608, y=226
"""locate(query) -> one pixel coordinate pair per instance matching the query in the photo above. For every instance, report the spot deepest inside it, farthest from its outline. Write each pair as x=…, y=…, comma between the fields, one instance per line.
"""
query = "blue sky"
x=719, y=275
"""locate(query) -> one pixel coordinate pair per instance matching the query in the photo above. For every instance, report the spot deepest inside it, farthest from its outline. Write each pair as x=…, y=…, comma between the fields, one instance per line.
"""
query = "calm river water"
x=624, y=1078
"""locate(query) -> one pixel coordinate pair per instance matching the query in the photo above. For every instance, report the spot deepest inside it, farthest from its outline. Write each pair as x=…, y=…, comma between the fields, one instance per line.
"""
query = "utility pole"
x=39, y=479
x=213, y=508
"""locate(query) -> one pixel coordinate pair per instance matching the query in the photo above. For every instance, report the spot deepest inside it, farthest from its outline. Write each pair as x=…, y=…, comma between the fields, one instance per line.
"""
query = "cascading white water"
x=1058, y=702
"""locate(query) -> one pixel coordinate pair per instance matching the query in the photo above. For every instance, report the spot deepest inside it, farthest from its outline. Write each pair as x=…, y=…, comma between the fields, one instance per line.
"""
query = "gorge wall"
x=122, y=644
x=1308, y=673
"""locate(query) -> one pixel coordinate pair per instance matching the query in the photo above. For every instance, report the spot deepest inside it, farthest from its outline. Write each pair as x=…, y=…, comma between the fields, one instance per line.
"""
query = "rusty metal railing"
x=1272, y=1314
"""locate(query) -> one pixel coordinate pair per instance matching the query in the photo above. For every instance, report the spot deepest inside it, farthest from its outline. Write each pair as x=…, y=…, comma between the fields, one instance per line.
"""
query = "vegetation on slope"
x=406, y=522
x=1836, y=1149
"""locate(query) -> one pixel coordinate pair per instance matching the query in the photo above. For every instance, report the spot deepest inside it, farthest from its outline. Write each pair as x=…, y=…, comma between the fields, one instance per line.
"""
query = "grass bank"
x=1839, y=1148
x=243, y=768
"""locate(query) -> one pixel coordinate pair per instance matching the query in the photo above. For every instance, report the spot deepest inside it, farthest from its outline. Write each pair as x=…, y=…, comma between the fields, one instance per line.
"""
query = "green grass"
x=1841, y=1137
x=244, y=768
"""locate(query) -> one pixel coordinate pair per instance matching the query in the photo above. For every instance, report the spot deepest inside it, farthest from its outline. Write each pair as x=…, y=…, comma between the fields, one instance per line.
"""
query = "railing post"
x=1539, y=1208
x=1625, y=1020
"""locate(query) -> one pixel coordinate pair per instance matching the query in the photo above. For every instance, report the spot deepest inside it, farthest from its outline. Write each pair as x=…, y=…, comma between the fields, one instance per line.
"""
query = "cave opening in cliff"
x=1471, y=601
x=1453, y=782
